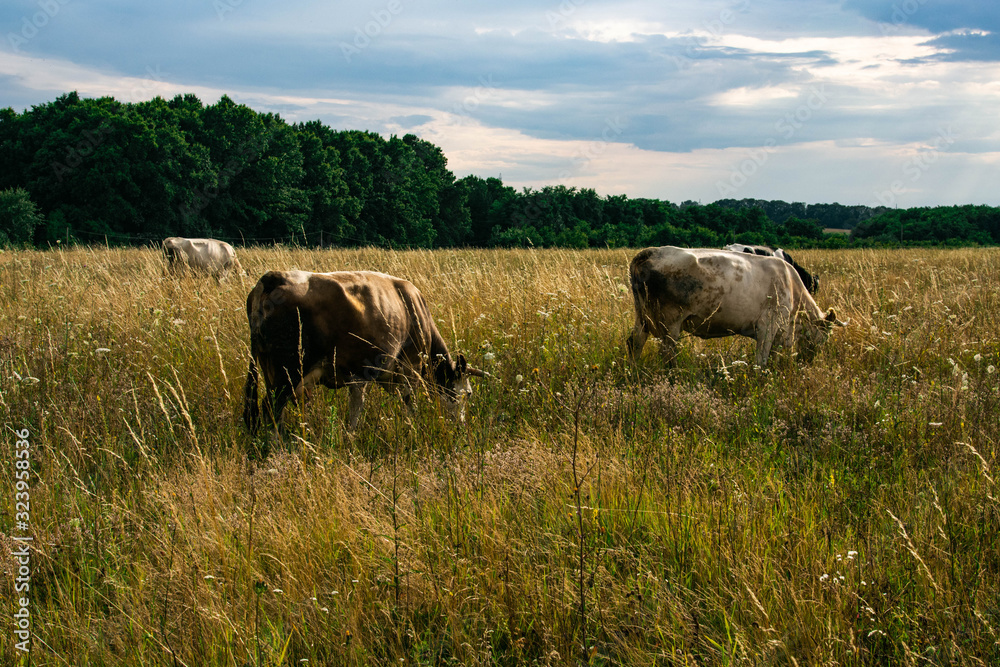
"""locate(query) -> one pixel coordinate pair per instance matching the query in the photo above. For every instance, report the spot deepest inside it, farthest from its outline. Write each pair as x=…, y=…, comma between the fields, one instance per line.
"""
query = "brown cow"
x=347, y=328
x=713, y=293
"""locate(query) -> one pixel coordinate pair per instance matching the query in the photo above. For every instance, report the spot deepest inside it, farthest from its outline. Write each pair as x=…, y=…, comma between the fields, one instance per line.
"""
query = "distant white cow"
x=713, y=293
x=809, y=280
x=216, y=258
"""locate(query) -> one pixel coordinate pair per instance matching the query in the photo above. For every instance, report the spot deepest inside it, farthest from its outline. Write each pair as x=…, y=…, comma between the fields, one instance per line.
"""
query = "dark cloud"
x=968, y=47
x=937, y=16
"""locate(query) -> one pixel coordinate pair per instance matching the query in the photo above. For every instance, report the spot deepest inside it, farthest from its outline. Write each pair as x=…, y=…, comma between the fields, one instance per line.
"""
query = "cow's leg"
x=357, y=394
x=636, y=340
x=766, y=336
x=311, y=378
x=275, y=406
x=668, y=344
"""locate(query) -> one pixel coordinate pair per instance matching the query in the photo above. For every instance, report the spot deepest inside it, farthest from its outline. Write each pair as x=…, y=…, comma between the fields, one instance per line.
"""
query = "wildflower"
x=101, y=350
x=936, y=424
x=489, y=356
x=991, y=369
x=519, y=378
x=208, y=576
x=278, y=591
x=177, y=322
x=977, y=358
x=824, y=577
x=851, y=554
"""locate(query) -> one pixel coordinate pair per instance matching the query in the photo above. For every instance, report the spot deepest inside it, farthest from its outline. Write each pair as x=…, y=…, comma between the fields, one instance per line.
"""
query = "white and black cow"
x=347, y=328
x=809, y=280
x=207, y=256
x=713, y=293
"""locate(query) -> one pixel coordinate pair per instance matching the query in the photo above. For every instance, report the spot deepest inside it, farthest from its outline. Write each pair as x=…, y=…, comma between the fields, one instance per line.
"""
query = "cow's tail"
x=251, y=408
x=639, y=274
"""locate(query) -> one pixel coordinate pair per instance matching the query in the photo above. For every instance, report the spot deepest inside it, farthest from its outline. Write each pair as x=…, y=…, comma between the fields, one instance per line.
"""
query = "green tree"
x=19, y=217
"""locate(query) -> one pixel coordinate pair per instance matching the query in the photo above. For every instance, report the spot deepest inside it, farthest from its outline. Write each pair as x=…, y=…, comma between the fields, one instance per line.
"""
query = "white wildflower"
x=824, y=577
x=101, y=350
x=977, y=358
x=991, y=369
x=489, y=356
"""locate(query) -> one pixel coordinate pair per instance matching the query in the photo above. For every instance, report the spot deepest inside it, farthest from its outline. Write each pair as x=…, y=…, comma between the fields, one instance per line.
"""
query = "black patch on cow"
x=271, y=280
x=668, y=287
x=810, y=281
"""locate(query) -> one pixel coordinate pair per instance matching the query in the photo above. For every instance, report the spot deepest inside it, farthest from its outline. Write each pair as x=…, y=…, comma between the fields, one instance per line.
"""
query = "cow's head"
x=173, y=254
x=814, y=333
x=454, y=388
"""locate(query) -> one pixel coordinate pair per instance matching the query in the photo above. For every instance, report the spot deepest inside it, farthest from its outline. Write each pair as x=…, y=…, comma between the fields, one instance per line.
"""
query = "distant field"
x=841, y=512
x=834, y=230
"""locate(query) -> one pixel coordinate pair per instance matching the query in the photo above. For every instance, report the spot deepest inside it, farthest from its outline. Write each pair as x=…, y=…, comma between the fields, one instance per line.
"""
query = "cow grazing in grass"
x=348, y=328
x=809, y=280
x=206, y=256
x=713, y=293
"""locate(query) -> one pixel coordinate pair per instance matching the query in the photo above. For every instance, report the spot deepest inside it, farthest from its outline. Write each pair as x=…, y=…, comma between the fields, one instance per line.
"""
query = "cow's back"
x=351, y=319
x=730, y=290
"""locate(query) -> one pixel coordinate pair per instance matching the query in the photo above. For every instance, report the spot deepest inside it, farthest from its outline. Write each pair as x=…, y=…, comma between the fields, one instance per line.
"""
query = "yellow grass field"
x=845, y=511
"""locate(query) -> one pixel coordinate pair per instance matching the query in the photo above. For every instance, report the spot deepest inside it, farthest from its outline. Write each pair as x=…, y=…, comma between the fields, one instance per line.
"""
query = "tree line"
x=80, y=170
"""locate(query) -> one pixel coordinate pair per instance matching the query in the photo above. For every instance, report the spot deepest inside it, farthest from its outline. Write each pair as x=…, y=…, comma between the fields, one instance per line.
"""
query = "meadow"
x=590, y=511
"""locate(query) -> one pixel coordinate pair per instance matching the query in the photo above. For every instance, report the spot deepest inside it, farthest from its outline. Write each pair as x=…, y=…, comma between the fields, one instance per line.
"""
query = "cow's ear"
x=831, y=319
x=461, y=364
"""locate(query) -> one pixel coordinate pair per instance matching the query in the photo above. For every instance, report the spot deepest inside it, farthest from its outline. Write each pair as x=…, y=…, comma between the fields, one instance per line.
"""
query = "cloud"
x=639, y=96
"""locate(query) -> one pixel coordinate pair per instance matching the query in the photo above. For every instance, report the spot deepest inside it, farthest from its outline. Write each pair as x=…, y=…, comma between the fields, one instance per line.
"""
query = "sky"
x=876, y=102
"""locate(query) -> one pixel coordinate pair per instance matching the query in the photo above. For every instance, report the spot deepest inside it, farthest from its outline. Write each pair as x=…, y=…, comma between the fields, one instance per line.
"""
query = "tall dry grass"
x=841, y=512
